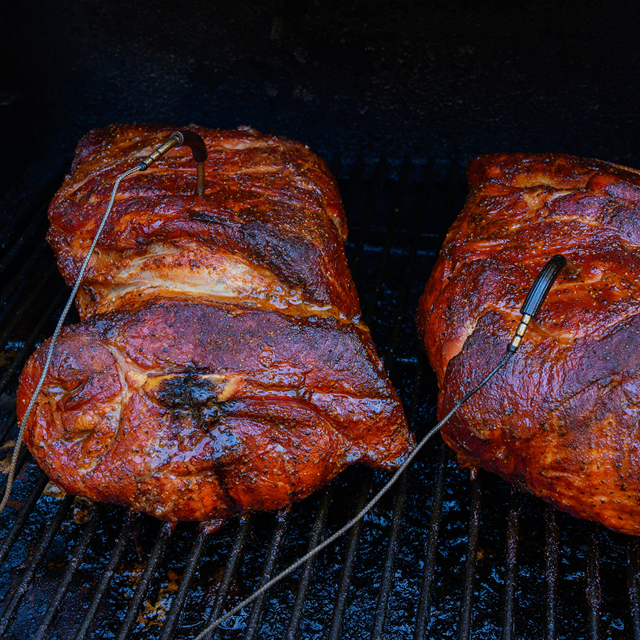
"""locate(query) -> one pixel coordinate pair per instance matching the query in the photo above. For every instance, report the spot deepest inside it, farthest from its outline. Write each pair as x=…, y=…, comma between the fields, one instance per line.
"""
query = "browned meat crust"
x=270, y=204
x=221, y=366
x=562, y=419
x=191, y=411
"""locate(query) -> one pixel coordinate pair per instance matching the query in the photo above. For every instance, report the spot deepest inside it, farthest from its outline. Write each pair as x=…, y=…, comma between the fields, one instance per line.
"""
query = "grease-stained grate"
x=442, y=556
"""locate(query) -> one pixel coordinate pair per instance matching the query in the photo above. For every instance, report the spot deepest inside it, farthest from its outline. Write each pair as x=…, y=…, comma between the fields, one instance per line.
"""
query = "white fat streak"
x=166, y=270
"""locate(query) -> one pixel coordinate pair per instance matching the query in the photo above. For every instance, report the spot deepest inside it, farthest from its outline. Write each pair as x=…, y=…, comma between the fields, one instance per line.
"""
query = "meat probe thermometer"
x=177, y=139
x=529, y=310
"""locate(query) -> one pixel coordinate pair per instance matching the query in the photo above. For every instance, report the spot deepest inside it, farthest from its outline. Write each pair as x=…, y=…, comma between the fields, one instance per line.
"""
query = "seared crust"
x=561, y=420
x=221, y=365
x=195, y=411
x=268, y=200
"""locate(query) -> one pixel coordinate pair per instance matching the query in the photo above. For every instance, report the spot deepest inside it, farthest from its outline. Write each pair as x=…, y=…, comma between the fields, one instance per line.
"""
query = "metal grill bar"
x=22, y=458
x=594, y=591
x=466, y=613
x=386, y=249
x=348, y=563
x=345, y=579
x=232, y=562
x=390, y=362
x=26, y=349
x=114, y=561
x=424, y=606
x=149, y=571
x=423, y=617
x=8, y=425
x=307, y=572
x=403, y=297
x=386, y=584
x=74, y=563
x=192, y=564
x=38, y=555
x=387, y=573
x=551, y=571
x=466, y=620
x=511, y=553
x=633, y=571
x=282, y=520
x=27, y=508
x=25, y=306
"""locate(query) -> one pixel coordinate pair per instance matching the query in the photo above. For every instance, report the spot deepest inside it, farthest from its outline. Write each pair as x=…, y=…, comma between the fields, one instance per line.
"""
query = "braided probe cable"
x=535, y=298
x=361, y=514
x=54, y=338
x=533, y=303
x=176, y=139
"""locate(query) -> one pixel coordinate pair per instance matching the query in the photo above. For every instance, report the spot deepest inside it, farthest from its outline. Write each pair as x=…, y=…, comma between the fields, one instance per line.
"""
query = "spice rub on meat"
x=221, y=365
x=562, y=419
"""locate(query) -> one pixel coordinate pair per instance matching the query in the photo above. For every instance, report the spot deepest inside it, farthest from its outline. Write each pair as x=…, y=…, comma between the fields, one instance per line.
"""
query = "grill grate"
x=114, y=562
x=441, y=556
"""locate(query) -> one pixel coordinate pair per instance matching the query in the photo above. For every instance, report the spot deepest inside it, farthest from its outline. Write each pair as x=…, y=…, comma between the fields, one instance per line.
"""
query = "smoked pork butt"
x=562, y=419
x=221, y=364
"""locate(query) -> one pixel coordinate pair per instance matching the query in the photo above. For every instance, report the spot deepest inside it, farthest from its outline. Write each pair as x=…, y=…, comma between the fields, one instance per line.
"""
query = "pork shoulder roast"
x=221, y=364
x=562, y=419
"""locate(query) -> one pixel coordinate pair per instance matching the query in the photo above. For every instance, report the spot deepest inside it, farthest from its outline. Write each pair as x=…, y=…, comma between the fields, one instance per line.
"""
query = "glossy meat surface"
x=193, y=411
x=562, y=418
x=269, y=228
x=221, y=365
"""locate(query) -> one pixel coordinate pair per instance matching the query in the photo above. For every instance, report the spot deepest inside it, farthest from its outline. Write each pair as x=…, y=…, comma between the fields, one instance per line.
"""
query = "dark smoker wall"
x=439, y=79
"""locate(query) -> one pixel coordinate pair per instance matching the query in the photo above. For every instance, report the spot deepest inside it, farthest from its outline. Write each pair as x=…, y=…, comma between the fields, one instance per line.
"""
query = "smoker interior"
x=397, y=97
x=441, y=556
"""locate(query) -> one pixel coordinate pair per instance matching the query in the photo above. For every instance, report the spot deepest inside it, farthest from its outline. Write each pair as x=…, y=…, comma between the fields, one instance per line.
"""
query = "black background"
x=439, y=80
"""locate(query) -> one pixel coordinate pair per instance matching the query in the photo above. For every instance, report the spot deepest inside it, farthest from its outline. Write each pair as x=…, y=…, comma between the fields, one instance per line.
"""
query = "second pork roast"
x=562, y=419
